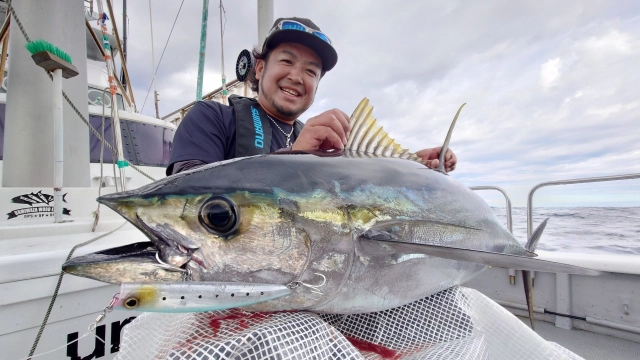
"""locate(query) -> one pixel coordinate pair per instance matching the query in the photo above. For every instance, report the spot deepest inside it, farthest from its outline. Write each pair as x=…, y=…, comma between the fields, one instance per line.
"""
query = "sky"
x=552, y=88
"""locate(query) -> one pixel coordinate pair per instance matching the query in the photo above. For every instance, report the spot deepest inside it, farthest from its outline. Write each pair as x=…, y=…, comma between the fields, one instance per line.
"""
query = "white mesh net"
x=457, y=323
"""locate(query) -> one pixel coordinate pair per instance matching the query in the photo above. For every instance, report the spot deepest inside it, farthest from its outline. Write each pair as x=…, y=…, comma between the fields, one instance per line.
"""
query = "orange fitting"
x=112, y=89
x=107, y=57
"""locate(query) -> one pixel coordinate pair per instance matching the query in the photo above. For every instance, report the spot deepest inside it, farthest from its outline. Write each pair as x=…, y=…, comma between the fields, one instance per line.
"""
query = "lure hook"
x=314, y=288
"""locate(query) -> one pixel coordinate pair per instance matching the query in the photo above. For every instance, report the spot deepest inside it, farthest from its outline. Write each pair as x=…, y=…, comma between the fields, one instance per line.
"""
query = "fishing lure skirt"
x=458, y=323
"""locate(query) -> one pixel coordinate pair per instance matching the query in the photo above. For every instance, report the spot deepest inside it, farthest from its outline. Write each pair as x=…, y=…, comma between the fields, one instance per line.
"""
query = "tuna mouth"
x=129, y=263
x=170, y=250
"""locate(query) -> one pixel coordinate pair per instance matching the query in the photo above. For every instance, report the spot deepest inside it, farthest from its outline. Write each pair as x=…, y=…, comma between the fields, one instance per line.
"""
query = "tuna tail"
x=527, y=280
x=445, y=146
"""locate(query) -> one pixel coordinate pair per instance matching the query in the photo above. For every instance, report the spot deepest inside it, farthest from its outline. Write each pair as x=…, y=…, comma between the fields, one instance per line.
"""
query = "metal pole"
x=506, y=197
x=265, y=19
x=58, y=146
x=123, y=61
x=511, y=272
x=123, y=78
x=153, y=64
x=567, y=182
x=224, y=78
x=203, y=46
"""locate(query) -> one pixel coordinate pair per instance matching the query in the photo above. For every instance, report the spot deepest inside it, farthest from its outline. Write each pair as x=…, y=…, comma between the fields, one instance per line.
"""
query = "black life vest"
x=253, y=129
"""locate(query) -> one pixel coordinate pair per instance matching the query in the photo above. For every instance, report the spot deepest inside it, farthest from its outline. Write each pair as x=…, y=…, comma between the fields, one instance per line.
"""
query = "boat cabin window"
x=143, y=144
x=96, y=98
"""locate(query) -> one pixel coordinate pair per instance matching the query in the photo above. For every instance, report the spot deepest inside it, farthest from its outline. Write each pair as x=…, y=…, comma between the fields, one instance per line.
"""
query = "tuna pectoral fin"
x=487, y=258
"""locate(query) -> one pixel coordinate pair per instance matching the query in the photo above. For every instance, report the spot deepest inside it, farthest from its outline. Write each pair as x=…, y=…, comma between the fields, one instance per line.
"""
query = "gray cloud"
x=551, y=87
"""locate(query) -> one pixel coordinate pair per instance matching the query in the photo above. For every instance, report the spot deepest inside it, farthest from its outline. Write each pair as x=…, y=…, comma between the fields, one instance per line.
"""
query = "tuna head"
x=215, y=232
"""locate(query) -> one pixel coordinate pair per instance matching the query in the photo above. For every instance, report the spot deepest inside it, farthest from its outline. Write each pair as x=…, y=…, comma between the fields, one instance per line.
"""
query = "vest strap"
x=253, y=128
x=253, y=131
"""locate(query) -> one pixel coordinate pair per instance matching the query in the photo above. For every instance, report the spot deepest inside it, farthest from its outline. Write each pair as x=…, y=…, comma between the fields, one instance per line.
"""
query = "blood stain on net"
x=362, y=345
x=237, y=320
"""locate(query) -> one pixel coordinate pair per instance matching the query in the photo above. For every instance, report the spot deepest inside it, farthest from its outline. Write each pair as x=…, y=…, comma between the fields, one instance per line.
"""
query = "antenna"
x=153, y=65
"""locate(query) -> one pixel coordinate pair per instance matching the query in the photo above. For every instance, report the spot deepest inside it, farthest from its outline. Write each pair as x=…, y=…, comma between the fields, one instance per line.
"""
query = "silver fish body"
x=344, y=231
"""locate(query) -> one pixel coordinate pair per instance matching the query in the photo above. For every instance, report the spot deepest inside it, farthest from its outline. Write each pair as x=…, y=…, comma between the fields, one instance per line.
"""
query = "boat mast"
x=123, y=79
x=265, y=19
x=153, y=65
x=203, y=46
x=224, y=78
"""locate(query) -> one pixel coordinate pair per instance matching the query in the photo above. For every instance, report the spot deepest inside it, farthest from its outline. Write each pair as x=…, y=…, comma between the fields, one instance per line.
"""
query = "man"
x=294, y=57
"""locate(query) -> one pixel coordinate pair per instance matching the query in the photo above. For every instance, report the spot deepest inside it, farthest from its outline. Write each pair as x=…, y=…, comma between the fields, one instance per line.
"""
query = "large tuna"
x=360, y=230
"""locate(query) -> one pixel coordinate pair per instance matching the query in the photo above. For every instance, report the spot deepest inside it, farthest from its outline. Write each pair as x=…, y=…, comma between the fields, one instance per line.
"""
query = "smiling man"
x=294, y=57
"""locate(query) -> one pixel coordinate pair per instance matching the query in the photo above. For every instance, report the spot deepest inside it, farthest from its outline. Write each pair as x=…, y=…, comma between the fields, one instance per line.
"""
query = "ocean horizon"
x=581, y=229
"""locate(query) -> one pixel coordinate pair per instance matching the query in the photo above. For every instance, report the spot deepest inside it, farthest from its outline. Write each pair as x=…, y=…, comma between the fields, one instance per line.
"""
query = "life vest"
x=253, y=128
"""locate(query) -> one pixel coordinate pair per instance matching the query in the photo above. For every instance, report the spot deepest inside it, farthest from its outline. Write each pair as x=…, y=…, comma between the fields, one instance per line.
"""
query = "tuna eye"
x=218, y=215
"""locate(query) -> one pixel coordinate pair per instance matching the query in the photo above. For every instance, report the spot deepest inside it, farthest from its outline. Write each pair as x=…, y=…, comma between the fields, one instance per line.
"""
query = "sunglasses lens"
x=322, y=36
x=290, y=25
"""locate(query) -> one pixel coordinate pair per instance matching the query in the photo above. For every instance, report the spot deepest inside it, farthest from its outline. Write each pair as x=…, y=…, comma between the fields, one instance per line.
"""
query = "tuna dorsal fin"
x=368, y=137
x=445, y=146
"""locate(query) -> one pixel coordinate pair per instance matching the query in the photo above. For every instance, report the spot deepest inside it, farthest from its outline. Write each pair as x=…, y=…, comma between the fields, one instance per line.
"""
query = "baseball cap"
x=309, y=35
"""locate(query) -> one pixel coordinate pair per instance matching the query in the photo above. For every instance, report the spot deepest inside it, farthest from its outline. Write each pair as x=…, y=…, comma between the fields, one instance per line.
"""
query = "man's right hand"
x=326, y=131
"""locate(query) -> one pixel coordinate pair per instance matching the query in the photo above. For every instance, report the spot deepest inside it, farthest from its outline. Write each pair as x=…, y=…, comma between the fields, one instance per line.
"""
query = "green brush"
x=37, y=46
x=51, y=58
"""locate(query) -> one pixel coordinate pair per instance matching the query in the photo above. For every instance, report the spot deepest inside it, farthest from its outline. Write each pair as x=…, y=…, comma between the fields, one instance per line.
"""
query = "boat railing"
x=568, y=182
x=177, y=115
x=506, y=197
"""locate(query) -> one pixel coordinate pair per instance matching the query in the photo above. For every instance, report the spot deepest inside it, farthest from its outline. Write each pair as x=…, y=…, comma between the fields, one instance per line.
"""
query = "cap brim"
x=325, y=51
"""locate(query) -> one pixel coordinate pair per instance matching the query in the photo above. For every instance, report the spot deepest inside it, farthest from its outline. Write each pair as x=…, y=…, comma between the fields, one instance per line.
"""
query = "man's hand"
x=326, y=131
x=430, y=157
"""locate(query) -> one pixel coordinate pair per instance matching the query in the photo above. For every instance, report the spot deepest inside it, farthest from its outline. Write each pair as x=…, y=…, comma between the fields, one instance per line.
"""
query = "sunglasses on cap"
x=294, y=25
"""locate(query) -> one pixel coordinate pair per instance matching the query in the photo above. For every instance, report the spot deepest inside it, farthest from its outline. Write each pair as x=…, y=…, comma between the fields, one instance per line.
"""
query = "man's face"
x=288, y=81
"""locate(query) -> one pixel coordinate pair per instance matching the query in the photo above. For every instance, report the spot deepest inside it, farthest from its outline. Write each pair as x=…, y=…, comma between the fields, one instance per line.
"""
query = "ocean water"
x=593, y=230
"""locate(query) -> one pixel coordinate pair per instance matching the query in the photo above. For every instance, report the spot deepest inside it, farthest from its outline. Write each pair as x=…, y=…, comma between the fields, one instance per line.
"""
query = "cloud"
x=550, y=87
x=549, y=72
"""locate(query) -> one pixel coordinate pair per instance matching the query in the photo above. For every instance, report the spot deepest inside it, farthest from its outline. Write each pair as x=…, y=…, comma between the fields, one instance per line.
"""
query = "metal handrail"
x=230, y=85
x=567, y=182
x=509, y=222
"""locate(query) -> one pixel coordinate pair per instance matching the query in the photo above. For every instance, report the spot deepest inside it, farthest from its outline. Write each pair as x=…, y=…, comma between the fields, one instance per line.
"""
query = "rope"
x=24, y=32
x=55, y=292
x=165, y=48
x=75, y=109
x=96, y=214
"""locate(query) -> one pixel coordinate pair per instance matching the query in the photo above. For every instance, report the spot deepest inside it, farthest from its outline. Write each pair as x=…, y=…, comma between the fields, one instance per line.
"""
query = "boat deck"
x=587, y=344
